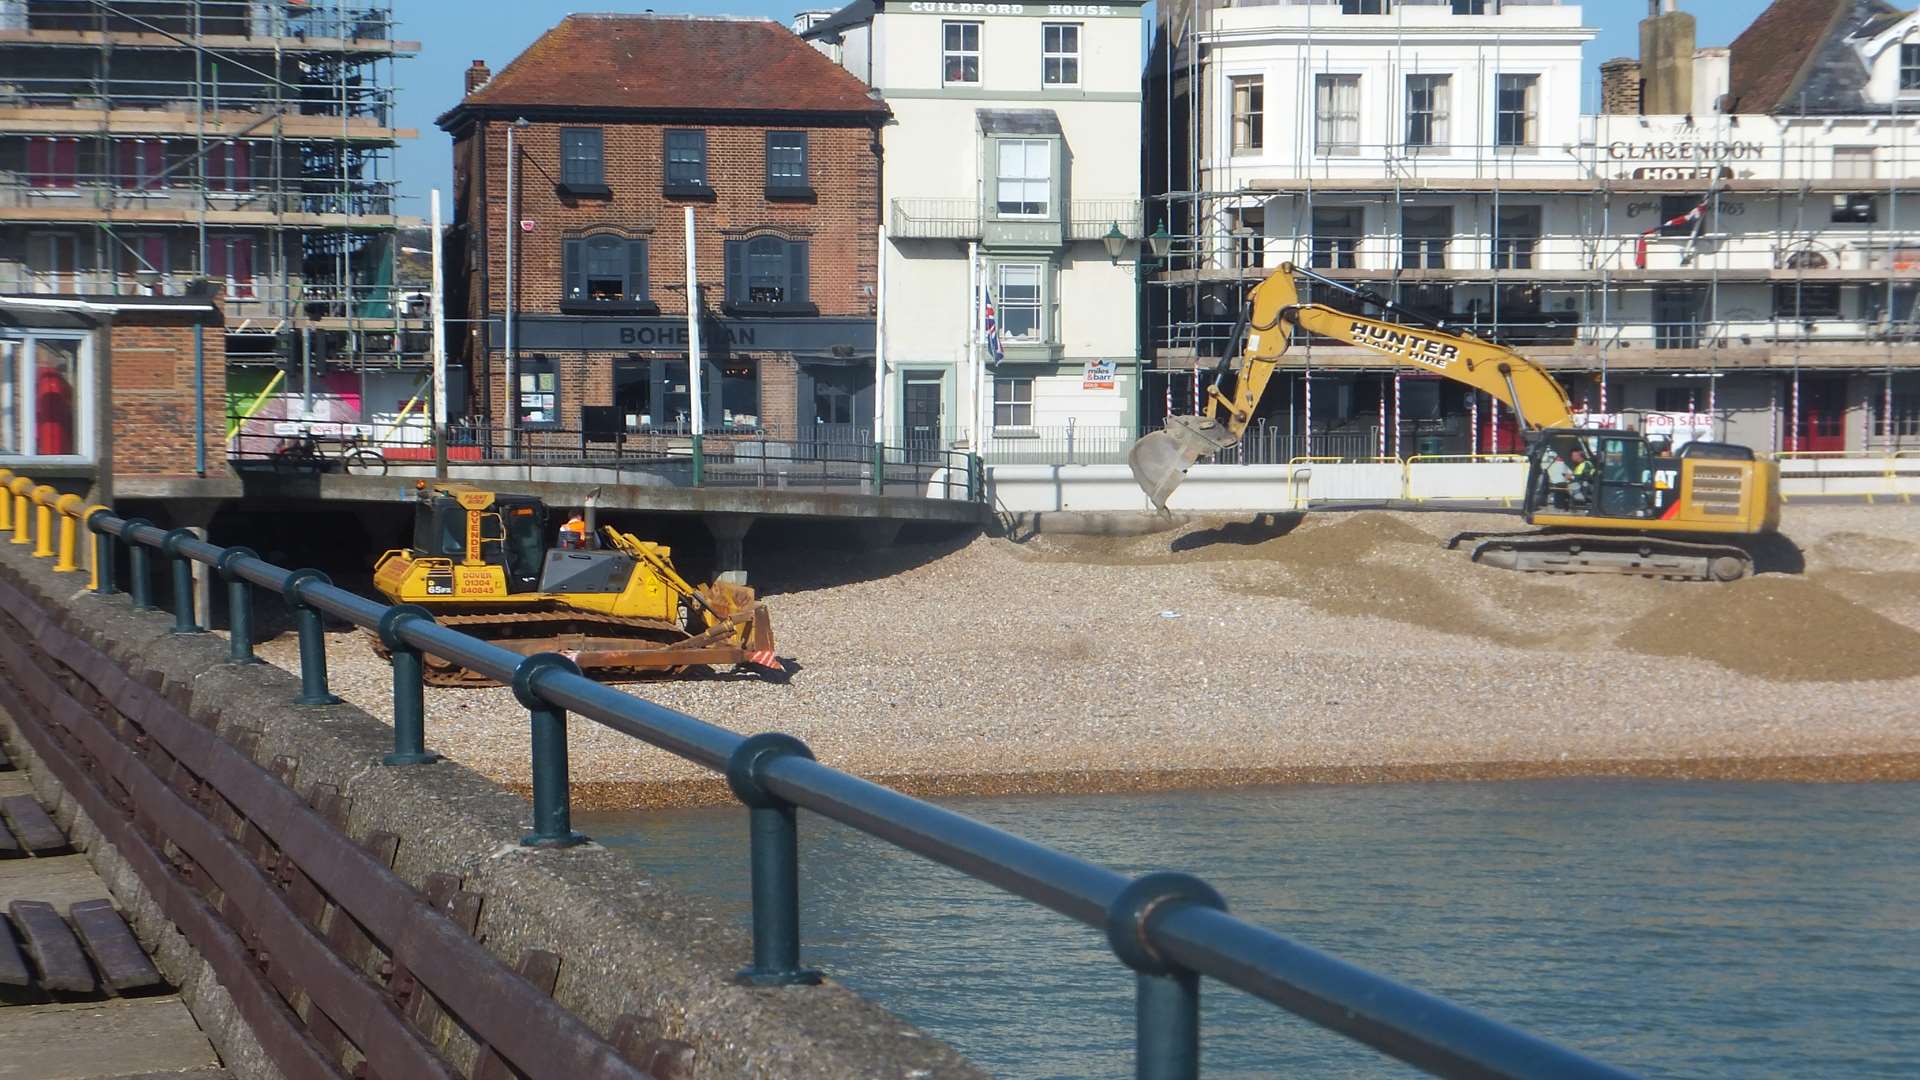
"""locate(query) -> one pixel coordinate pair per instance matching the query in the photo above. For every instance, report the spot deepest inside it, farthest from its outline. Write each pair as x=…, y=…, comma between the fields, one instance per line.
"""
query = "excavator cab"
x=1620, y=483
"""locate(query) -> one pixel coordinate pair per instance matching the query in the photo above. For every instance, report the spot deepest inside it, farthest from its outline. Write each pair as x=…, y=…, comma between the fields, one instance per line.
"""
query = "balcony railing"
x=357, y=198
x=368, y=21
x=963, y=219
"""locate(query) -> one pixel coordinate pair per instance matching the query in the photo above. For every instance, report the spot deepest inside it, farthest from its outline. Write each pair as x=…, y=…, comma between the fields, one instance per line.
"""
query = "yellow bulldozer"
x=611, y=602
x=1602, y=500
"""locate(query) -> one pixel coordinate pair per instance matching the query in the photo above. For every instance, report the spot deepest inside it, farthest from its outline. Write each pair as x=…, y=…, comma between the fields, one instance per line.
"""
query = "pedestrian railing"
x=1170, y=929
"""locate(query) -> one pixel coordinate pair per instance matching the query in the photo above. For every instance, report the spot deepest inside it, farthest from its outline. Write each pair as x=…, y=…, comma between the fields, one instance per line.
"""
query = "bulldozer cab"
x=1594, y=472
x=508, y=531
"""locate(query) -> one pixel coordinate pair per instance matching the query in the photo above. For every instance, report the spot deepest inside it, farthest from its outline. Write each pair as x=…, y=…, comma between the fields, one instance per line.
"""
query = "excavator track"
x=612, y=648
x=1602, y=553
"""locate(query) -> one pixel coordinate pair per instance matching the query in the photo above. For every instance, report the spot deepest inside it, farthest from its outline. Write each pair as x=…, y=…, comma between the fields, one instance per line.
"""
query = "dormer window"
x=1909, y=67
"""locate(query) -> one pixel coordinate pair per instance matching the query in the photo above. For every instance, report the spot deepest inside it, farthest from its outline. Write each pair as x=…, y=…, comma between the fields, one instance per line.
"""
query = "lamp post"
x=1159, y=243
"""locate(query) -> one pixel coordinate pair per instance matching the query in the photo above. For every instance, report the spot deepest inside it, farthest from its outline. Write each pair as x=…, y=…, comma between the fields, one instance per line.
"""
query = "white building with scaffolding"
x=148, y=145
x=1742, y=266
x=1011, y=169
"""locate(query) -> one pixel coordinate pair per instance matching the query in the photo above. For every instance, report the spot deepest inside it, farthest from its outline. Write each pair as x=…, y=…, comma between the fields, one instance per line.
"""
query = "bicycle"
x=309, y=452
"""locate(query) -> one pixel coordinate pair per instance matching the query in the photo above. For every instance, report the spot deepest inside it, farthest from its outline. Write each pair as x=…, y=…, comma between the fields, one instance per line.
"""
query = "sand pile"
x=1780, y=628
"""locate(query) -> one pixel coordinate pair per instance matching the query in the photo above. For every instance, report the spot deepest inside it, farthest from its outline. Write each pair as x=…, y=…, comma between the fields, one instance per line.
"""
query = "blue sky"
x=453, y=33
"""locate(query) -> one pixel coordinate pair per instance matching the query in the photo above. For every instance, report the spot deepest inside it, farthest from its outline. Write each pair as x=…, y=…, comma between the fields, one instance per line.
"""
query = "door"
x=921, y=414
x=1625, y=477
x=1676, y=317
x=1823, y=415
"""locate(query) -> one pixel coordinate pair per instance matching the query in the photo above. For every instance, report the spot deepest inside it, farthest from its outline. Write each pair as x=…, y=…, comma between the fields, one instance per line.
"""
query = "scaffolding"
x=146, y=145
x=1615, y=291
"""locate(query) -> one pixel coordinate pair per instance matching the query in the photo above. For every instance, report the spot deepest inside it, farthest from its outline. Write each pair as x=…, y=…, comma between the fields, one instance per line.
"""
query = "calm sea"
x=1679, y=929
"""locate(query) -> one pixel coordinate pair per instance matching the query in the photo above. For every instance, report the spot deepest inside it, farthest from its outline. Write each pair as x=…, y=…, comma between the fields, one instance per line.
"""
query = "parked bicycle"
x=307, y=452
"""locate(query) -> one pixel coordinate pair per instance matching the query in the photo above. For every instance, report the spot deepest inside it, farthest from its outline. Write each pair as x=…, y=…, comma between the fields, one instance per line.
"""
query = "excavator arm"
x=1161, y=459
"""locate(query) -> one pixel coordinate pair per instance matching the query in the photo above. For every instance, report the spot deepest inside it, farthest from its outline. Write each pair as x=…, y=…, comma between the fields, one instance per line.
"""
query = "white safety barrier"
x=1108, y=488
x=1466, y=476
x=1359, y=481
x=1857, y=473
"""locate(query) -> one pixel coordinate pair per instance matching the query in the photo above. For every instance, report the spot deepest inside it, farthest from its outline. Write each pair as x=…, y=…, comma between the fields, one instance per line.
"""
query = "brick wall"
x=839, y=223
x=153, y=407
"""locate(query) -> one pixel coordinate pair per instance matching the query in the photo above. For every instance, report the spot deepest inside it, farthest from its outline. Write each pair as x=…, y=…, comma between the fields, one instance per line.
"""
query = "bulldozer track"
x=657, y=635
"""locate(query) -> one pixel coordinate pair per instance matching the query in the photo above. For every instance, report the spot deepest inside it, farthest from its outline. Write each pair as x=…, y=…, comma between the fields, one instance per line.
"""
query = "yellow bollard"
x=93, y=546
x=20, y=486
x=6, y=504
x=43, y=497
x=68, y=507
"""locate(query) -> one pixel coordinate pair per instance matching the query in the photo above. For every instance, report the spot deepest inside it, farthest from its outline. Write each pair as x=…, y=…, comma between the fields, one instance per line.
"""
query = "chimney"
x=1666, y=61
x=477, y=75
x=1620, y=86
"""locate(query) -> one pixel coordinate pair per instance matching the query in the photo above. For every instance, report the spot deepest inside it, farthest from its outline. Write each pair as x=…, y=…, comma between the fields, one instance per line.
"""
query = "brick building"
x=613, y=131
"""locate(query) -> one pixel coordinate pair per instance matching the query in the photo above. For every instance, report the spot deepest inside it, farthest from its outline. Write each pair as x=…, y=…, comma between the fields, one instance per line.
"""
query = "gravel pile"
x=1342, y=645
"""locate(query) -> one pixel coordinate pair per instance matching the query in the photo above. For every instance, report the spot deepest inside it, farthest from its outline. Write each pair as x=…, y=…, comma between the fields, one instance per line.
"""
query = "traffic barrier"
x=1482, y=477
x=1168, y=929
x=1867, y=474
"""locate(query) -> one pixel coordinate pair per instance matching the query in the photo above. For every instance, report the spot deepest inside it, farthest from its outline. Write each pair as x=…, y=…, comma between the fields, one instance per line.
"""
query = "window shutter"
x=736, y=258
x=66, y=162
x=573, y=254
x=637, y=270
x=39, y=161
x=797, y=272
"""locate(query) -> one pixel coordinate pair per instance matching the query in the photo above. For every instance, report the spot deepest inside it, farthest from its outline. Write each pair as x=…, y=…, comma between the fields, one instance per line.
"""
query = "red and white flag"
x=1691, y=218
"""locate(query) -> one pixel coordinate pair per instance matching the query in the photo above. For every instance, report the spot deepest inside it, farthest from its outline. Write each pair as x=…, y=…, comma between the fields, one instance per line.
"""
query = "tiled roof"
x=1793, y=49
x=659, y=62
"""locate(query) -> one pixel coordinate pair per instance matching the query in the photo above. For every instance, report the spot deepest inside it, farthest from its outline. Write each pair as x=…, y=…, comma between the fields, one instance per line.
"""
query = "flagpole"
x=974, y=318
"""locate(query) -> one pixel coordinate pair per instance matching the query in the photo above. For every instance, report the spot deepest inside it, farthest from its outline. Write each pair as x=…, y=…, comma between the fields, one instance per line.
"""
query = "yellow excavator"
x=1625, y=511
x=611, y=602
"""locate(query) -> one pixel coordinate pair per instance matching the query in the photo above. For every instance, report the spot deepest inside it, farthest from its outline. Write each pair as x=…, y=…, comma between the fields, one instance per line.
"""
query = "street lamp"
x=1116, y=242
x=1160, y=242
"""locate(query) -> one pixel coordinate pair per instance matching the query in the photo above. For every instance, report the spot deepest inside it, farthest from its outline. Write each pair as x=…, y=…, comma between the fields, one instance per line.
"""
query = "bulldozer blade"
x=1160, y=460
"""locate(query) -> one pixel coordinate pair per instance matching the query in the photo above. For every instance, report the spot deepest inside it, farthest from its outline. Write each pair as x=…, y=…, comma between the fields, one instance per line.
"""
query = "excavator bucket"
x=1160, y=460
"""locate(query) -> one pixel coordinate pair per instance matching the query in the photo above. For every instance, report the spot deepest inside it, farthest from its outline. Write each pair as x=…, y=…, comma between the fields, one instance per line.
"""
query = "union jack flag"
x=1690, y=218
x=992, y=327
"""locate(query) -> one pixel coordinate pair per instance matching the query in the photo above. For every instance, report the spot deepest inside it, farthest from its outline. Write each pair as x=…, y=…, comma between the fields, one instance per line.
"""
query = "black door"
x=922, y=415
x=1626, y=477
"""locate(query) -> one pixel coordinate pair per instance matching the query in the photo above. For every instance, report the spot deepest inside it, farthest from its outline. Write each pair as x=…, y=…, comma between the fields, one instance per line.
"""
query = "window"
x=582, y=160
x=1017, y=301
x=53, y=262
x=1902, y=420
x=539, y=397
x=787, y=163
x=1674, y=206
x=739, y=393
x=1249, y=239
x=1249, y=113
x=1799, y=300
x=1673, y=399
x=1060, y=54
x=1336, y=237
x=53, y=163
x=1853, y=163
x=229, y=167
x=46, y=394
x=1517, y=107
x=1336, y=114
x=230, y=259
x=1425, y=232
x=1516, y=229
x=143, y=262
x=1472, y=7
x=960, y=53
x=139, y=163
x=1363, y=7
x=602, y=271
x=1012, y=402
x=687, y=163
x=1909, y=67
x=766, y=273
x=1427, y=104
x=1023, y=177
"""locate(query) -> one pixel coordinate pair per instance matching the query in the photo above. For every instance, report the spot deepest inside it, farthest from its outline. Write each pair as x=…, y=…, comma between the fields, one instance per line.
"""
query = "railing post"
x=103, y=568
x=239, y=607
x=20, y=485
x=182, y=572
x=6, y=504
x=409, y=689
x=699, y=462
x=43, y=521
x=879, y=468
x=69, y=508
x=139, y=565
x=775, y=859
x=313, y=643
x=552, y=810
x=1166, y=998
